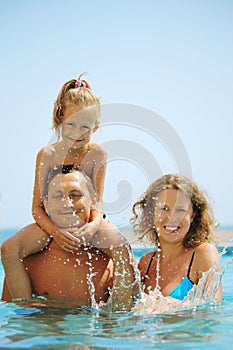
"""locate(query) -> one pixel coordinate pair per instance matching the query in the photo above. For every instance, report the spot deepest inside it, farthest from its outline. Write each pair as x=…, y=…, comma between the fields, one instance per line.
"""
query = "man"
x=87, y=274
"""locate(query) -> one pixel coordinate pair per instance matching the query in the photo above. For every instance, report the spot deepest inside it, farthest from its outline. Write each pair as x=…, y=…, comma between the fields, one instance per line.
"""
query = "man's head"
x=69, y=197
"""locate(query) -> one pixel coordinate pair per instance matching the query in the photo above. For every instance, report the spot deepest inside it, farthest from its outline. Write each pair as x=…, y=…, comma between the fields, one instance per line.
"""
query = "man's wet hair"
x=66, y=169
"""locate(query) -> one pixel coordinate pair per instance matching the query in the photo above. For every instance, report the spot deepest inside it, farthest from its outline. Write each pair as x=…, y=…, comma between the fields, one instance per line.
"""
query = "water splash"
x=90, y=282
x=127, y=287
x=201, y=295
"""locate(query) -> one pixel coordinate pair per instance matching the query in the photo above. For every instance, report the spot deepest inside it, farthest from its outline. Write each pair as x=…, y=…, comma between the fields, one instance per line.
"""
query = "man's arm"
x=111, y=242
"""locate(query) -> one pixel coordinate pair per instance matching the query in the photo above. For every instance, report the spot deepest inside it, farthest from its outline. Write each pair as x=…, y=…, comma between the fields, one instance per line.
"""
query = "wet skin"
x=56, y=272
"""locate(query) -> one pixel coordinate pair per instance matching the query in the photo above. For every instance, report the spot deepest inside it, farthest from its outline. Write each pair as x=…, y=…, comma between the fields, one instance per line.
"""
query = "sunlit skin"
x=56, y=272
x=74, y=148
x=77, y=127
x=75, y=117
x=69, y=201
x=90, y=157
x=173, y=215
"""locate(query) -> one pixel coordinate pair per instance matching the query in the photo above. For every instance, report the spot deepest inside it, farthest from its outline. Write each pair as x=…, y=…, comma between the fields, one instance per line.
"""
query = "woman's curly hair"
x=203, y=221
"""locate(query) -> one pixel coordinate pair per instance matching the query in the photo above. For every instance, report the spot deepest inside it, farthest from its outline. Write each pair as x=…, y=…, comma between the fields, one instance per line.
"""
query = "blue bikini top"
x=182, y=289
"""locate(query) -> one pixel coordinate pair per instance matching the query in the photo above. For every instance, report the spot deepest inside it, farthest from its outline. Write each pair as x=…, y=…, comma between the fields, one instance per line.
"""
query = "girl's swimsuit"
x=182, y=289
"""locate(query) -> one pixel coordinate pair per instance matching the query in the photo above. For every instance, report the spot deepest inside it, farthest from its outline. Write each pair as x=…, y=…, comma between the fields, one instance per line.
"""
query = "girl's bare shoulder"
x=97, y=148
x=49, y=150
x=97, y=153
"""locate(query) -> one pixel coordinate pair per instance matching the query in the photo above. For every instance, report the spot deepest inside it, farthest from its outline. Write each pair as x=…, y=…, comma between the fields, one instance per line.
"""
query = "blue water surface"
x=49, y=327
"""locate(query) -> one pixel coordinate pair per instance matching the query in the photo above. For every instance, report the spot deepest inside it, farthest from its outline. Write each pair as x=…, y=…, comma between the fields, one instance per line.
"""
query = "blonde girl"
x=76, y=116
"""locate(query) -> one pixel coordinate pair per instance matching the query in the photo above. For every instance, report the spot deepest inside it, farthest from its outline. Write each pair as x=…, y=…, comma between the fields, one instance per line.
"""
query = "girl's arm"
x=98, y=178
x=99, y=157
x=31, y=239
x=43, y=164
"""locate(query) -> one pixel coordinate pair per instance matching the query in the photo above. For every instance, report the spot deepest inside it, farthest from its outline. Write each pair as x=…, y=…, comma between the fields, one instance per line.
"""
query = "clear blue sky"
x=173, y=58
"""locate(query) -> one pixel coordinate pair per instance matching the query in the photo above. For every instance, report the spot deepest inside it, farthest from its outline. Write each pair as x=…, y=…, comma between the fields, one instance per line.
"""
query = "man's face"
x=69, y=201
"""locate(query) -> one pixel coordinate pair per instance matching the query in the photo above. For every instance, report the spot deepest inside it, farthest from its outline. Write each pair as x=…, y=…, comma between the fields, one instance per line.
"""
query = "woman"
x=175, y=216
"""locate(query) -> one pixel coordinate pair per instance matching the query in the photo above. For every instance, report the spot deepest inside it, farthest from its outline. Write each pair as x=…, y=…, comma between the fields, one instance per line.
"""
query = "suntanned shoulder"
x=98, y=148
x=98, y=154
x=206, y=249
x=51, y=154
x=147, y=256
x=144, y=262
x=108, y=236
x=206, y=256
x=46, y=151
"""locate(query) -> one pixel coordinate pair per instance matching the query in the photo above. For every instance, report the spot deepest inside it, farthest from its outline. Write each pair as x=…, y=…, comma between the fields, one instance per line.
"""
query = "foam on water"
x=60, y=324
x=202, y=294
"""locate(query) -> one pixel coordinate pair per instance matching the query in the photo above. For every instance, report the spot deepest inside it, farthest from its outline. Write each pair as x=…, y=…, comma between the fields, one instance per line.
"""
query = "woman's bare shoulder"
x=205, y=256
x=145, y=260
x=206, y=248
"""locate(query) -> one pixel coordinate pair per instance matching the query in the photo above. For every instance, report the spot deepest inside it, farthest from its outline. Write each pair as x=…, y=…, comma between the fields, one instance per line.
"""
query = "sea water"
x=46, y=325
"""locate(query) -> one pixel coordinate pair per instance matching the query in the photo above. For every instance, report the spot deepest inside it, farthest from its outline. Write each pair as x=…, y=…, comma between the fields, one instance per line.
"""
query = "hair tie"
x=79, y=83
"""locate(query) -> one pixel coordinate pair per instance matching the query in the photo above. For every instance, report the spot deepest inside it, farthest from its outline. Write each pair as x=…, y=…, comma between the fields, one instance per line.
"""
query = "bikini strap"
x=148, y=268
x=190, y=264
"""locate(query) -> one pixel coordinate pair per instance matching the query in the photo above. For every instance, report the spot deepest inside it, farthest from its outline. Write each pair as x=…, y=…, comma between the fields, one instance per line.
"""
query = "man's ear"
x=45, y=202
x=94, y=201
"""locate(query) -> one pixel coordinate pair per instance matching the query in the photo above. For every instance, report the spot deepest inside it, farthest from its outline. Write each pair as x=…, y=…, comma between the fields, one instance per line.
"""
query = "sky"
x=164, y=73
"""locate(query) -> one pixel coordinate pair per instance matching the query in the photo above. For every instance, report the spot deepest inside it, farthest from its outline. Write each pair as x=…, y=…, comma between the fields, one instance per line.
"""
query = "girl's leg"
x=29, y=240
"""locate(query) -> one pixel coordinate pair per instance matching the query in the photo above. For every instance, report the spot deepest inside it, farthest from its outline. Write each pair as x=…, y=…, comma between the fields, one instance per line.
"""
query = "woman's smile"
x=172, y=229
x=172, y=215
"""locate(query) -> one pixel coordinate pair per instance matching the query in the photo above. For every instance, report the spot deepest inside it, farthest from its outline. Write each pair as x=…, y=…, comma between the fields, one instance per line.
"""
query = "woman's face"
x=173, y=215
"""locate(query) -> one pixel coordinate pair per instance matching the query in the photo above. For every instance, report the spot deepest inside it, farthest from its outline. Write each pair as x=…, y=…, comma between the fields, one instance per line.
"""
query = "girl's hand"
x=86, y=233
x=66, y=240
